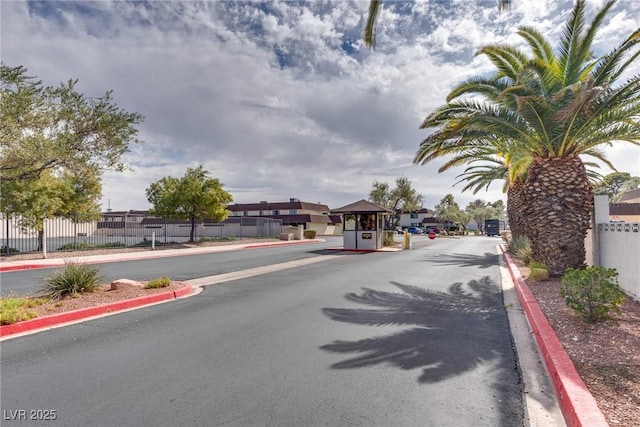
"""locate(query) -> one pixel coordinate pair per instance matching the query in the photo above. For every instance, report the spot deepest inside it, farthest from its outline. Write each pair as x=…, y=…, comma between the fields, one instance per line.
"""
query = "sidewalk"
x=578, y=406
x=130, y=256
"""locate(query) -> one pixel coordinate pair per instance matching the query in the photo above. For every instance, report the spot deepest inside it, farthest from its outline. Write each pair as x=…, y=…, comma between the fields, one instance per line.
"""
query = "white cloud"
x=279, y=99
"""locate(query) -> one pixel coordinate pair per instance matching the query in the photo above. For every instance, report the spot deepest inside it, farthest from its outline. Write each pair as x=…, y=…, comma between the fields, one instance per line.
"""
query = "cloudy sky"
x=281, y=99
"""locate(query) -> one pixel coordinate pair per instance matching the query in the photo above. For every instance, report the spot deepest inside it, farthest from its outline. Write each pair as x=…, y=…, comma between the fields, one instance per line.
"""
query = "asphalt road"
x=411, y=338
x=178, y=268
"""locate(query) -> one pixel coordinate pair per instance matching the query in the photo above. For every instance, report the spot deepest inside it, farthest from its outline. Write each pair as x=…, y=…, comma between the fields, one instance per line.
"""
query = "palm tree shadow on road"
x=453, y=332
x=487, y=260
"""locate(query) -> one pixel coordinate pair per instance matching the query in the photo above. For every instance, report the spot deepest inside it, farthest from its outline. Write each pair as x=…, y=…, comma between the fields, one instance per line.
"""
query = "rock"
x=124, y=283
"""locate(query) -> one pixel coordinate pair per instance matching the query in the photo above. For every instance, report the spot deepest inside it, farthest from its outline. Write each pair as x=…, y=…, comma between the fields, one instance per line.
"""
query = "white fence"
x=64, y=234
x=615, y=245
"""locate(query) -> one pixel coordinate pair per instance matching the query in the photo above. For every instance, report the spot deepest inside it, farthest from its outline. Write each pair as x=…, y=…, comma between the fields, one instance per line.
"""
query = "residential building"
x=627, y=209
x=422, y=218
x=313, y=216
x=122, y=219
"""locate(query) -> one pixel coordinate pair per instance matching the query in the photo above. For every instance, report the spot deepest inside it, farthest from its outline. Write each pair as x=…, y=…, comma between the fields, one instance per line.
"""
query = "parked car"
x=399, y=230
x=415, y=230
x=433, y=230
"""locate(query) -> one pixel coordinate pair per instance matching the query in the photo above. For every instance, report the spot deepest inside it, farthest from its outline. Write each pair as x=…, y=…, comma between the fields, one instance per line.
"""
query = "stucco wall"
x=615, y=245
x=620, y=249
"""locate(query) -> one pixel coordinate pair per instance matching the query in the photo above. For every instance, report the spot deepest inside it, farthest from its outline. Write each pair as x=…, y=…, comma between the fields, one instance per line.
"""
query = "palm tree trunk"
x=557, y=207
x=514, y=210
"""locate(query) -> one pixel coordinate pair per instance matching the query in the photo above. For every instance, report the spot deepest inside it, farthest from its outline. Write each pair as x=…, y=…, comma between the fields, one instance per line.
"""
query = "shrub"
x=5, y=250
x=309, y=234
x=536, y=264
x=111, y=245
x=520, y=248
x=593, y=293
x=75, y=246
x=387, y=238
x=74, y=278
x=538, y=274
x=16, y=309
x=162, y=282
x=214, y=239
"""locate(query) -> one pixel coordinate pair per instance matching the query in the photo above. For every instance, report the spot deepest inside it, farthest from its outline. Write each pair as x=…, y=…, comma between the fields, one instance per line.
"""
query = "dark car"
x=415, y=230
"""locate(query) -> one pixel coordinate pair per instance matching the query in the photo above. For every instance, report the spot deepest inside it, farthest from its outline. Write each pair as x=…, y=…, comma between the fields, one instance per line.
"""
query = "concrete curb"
x=578, y=405
x=45, y=322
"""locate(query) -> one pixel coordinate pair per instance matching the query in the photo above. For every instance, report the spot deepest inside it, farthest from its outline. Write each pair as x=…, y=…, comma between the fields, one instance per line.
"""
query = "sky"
x=281, y=99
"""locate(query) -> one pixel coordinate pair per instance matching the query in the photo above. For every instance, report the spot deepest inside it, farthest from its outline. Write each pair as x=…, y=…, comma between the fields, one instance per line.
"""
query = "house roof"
x=291, y=204
x=303, y=218
x=630, y=196
x=420, y=211
x=429, y=220
x=362, y=206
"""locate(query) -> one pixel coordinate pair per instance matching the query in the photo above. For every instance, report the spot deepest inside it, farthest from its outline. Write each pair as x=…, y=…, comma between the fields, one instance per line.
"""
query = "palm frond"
x=507, y=59
x=370, y=27
x=570, y=43
x=541, y=48
x=491, y=88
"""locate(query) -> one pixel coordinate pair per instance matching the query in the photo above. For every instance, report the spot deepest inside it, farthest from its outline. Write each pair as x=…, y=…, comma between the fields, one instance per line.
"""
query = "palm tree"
x=513, y=171
x=374, y=11
x=556, y=106
x=492, y=168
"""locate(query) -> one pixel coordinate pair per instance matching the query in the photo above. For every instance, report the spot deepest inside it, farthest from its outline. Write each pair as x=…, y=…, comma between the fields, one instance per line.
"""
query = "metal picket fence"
x=113, y=231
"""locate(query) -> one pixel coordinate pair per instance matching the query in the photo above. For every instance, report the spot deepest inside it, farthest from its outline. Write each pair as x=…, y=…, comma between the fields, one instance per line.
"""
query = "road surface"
x=411, y=338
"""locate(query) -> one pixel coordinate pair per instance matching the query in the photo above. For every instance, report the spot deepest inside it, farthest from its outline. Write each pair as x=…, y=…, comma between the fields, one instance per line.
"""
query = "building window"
x=246, y=213
x=293, y=211
x=414, y=215
x=275, y=212
x=261, y=213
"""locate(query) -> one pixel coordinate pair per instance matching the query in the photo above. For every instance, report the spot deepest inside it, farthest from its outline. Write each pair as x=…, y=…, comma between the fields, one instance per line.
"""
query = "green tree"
x=629, y=185
x=498, y=209
x=58, y=128
x=449, y=213
x=556, y=105
x=63, y=195
x=488, y=163
x=193, y=197
x=616, y=184
x=479, y=211
x=403, y=197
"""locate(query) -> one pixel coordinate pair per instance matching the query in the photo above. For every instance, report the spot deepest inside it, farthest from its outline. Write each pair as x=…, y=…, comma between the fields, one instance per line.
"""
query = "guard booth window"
x=367, y=222
x=350, y=222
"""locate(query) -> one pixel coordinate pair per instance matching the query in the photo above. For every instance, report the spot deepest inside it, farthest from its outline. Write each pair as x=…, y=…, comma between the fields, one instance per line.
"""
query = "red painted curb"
x=284, y=242
x=5, y=268
x=578, y=405
x=83, y=313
